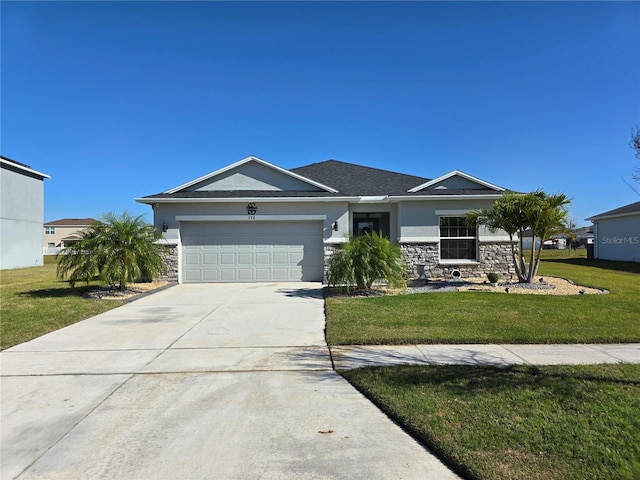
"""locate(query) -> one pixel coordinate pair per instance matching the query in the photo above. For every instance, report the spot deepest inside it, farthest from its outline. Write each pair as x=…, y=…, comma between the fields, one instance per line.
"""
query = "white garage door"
x=251, y=251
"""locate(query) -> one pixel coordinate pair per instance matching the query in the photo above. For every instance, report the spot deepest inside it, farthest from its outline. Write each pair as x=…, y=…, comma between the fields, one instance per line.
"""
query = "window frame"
x=49, y=230
x=457, y=232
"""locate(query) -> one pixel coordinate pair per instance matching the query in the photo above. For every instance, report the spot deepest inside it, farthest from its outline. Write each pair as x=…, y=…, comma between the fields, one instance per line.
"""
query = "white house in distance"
x=617, y=234
x=21, y=214
x=61, y=233
x=253, y=221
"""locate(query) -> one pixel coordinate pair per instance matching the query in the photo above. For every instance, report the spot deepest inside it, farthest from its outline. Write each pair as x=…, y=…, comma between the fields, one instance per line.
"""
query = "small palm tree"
x=365, y=259
x=544, y=215
x=118, y=248
x=548, y=216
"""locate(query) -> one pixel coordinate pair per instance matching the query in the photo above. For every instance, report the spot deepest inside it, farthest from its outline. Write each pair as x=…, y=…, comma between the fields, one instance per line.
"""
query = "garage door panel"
x=280, y=258
x=210, y=259
x=192, y=258
x=281, y=274
x=257, y=251
x=210, y=275
x=245, y=275
x=227, y=259
x=245, y=258
x=226, y=275
x=193, y=276
x=263, y=258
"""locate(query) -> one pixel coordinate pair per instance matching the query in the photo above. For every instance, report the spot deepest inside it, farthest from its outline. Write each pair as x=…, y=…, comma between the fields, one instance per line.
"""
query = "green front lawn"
x=35, y=302
x=516, y=422
x=519, y=422
x=477, y=317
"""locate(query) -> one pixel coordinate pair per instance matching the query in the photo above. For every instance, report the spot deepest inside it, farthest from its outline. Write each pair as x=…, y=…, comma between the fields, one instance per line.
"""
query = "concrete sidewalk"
x=197, y=382
x=347, y=357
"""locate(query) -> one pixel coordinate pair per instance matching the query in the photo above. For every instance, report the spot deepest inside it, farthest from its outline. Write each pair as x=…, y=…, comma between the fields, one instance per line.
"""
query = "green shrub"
x=365, y=259
x=493, y=277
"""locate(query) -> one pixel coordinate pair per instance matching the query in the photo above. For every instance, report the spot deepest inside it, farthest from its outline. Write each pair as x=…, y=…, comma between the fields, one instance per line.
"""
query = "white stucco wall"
x=21, y=219
x=618, y=238
x=414, y=221
x=334, y=211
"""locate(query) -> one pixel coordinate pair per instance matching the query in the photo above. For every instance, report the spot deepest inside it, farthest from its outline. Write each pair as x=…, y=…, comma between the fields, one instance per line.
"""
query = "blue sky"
x=117, y=100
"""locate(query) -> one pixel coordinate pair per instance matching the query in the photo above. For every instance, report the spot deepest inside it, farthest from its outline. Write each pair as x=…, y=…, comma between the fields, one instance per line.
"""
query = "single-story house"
x=583, y=236
x=21, y=214
x=557, y=242
x=253, y=221
x=61, y=233
x=617, y=234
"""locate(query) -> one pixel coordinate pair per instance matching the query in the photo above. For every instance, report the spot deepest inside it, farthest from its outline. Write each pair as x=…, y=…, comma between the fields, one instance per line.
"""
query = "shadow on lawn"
x=464, y=380
x=57, y=292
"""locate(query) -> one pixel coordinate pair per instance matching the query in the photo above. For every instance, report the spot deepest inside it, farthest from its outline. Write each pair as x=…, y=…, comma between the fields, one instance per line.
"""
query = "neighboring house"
x=617, y=234
x=21, y=214
x=253, y=221
x=61, y=233
x=583, y=236
x=557, y=242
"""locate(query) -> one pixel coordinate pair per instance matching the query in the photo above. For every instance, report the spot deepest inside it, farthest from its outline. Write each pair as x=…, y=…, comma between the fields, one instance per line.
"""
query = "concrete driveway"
x=228, y=381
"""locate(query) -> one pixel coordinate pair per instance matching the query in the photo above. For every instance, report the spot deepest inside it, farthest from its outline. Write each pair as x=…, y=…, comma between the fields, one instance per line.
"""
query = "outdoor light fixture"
x=335, y=226
x=251, y=208
x=165, y=227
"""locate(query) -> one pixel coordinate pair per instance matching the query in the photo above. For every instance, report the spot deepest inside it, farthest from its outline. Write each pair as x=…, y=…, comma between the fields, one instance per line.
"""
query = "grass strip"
x=34, y=302
x=517, y=422
x=478, y=317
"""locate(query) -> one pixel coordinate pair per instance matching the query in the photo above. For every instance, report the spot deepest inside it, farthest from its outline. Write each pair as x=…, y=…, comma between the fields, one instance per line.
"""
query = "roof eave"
x=158, y=200
x=486, y=196
x=24, y=168
x=618, y=215
x=353, y=198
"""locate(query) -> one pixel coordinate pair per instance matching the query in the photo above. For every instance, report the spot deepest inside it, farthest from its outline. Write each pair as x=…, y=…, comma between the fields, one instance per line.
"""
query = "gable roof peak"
x=456, y=173
x=248, y=159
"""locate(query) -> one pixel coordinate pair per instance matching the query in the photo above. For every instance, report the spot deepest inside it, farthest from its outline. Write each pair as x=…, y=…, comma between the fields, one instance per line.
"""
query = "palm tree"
x=544, y=215
x=507, y=214
x=365, y=259
x=118, y=248
x=548, y=216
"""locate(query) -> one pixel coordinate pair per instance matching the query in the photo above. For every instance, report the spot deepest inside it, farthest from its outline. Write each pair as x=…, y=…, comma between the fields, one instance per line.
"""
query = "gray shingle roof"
x=350, y=179
x=71, y=222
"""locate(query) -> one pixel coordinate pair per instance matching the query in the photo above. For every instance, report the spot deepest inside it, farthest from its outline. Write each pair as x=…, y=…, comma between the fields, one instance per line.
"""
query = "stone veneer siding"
x=171, y=264
x=494, y=257
x=329, y=250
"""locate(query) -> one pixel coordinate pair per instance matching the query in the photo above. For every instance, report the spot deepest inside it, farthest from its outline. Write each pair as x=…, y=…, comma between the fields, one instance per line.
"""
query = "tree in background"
x=541, y=214
x=635, y=145
x=118, y=249
x=365, y=259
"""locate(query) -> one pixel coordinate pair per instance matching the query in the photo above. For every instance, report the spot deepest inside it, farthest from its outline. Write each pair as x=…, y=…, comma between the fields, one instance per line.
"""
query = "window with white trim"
x=50, y=230
x=458, y=240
